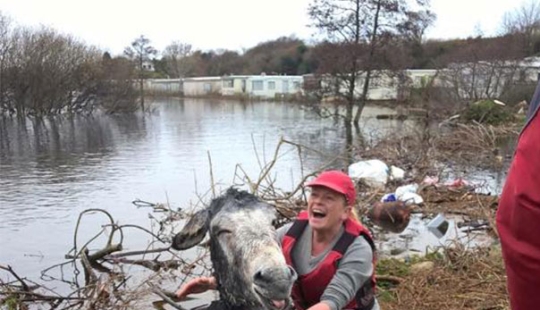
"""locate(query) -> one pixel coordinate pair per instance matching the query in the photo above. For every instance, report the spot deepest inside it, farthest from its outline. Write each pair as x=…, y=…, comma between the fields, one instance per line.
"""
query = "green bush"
x=488, y=112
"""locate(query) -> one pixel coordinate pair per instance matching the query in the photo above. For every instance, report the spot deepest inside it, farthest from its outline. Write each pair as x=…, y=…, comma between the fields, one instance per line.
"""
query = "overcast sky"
x=227, y=24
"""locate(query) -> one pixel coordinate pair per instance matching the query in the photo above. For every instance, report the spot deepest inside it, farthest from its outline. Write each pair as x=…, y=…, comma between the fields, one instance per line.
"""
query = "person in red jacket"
x=518, y=216
x=329, y=249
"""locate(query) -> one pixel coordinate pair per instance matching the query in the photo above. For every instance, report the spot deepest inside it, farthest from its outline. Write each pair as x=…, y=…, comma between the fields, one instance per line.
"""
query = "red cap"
x=337, y=181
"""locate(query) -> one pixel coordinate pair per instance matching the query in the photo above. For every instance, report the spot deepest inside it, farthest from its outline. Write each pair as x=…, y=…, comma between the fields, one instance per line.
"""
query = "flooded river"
x=52, y=170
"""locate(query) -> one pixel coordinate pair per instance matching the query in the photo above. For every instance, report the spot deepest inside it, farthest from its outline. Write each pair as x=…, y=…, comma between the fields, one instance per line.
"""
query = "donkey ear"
x=193, y=232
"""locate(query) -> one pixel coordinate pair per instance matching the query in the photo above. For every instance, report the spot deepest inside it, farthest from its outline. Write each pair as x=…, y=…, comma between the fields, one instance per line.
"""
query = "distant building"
x=234, y=85
x=202, y=86
x=164, y=86
x=148, y=66
x=383, y=85
x=262, y=86
x=272, y=86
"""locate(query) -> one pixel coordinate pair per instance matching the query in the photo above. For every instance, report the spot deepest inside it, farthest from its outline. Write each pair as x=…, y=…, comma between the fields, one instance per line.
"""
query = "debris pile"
x=455, y=279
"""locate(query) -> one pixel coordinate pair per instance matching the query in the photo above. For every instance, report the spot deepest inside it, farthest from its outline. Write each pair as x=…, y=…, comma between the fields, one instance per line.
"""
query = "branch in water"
x=133, y=253
x=10, y=270
x=166, y=297
x=150, y=264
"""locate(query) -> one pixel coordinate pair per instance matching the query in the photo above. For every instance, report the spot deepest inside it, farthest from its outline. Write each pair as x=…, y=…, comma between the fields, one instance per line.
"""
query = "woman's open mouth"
x=317, y=213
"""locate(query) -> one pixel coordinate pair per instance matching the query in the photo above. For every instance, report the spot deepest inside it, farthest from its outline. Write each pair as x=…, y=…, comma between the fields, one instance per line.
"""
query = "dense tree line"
x=292, y=56
x=285, y=55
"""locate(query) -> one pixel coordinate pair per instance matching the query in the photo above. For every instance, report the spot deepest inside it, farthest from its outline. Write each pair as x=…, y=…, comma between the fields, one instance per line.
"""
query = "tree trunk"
x=359, y=137
x=363, y=98
x=2, y=82
x=365, y=90
x=350, y=95
x=349, y=112
x=349, y=142
x=141, y=87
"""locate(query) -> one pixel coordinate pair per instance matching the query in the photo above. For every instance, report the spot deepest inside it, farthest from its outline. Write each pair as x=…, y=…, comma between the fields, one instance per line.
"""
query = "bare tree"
x=415, y=24
x=118, y=93
x=43, y=72
x=5, y=46
x=175, y=56
x=50, y=73
x=357, y=29
x=140, y=52
x=524, y=22
x=486, y=68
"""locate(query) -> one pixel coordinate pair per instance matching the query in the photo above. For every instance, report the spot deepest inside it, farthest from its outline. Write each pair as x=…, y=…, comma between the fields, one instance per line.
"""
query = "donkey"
x=248, y=264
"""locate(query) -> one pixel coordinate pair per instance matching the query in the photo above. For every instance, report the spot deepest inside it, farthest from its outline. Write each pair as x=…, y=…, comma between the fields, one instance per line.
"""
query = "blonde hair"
x=353, y=215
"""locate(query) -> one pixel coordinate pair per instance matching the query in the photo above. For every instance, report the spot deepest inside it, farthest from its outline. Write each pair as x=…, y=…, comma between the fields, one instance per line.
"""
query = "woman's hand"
x=196, y=286
x=320, y=306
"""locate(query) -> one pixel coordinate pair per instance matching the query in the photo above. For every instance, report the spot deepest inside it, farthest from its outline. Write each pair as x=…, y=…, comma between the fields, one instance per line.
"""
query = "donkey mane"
x=243, y=198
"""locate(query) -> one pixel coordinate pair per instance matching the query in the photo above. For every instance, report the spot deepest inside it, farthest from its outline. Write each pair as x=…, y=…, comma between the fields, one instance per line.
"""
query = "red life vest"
x=518, y=219
x=309, y=288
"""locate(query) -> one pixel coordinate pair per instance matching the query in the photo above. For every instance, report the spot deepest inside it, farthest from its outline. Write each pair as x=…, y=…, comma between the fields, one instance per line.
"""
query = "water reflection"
x=63, y=140
x=46, y=163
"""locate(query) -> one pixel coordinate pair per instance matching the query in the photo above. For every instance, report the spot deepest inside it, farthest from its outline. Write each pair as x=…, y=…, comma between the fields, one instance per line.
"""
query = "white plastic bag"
x=396, y=174
x=411, y=188
x=411, y=199
x=373, y=172
x=407, y=194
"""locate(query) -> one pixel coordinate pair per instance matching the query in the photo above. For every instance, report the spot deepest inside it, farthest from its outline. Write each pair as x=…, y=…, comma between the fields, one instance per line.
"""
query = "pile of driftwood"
x=98, y=278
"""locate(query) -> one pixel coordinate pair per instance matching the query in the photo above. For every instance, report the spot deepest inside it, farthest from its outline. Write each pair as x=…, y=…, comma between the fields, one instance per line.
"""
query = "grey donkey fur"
x=247, y=260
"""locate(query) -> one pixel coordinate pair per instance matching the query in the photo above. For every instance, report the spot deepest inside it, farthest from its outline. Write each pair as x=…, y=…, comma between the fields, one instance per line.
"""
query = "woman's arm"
x=354, y=269
x=196, y=286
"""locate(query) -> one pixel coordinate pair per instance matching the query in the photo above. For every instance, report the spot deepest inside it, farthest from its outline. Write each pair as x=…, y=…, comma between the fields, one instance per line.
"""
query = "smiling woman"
x=330, y=250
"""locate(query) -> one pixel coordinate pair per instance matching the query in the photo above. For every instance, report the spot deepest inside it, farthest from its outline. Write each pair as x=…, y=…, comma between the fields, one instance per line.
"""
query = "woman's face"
x=327, y=209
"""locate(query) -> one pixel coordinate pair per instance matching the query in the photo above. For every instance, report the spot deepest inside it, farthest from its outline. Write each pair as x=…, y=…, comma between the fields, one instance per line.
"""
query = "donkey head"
x=247, y=259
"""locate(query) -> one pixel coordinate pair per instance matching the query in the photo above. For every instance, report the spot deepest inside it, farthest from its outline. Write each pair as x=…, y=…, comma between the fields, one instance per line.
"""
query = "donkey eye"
x=223, y=231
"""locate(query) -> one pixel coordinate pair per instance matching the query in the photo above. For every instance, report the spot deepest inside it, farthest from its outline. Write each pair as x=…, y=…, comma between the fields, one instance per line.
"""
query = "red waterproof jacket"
x=518, y=216
x=309, y=288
